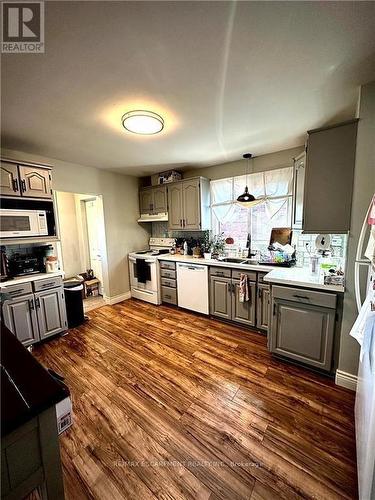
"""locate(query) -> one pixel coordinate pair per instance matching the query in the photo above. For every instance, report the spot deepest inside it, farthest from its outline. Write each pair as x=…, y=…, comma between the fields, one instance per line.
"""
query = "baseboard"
x=115, y=299
x=345, y=379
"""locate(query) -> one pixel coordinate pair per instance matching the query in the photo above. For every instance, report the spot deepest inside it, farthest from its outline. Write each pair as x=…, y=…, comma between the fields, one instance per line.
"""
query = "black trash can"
x=74, y=303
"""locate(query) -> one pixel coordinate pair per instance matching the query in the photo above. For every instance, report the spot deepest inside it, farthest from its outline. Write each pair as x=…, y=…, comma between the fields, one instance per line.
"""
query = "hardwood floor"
x=172, y=405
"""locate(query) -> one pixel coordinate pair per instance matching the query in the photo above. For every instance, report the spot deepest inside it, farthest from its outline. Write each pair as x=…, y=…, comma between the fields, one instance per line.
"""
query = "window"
x=274, y=187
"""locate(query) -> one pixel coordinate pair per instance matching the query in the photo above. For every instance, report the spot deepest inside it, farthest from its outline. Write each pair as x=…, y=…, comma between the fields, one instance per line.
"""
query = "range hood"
x=160, y=217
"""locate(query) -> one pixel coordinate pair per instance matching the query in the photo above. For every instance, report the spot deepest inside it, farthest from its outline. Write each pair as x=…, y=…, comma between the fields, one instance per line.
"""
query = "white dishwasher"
x=192, y=287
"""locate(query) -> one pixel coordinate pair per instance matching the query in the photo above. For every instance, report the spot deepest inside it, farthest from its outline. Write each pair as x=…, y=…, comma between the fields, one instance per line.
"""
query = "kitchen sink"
x=233, y=260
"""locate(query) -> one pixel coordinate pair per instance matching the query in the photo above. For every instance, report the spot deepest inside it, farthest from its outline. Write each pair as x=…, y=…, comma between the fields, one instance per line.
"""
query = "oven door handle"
x=149, y=261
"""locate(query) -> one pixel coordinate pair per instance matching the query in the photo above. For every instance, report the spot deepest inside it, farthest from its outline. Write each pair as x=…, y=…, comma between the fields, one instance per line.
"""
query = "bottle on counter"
x=185, y=247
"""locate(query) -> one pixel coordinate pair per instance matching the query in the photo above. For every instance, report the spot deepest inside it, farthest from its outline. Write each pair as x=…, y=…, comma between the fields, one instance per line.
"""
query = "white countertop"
x=213, y=262
x=302, y=277
x=31, y=277
x=293, y=276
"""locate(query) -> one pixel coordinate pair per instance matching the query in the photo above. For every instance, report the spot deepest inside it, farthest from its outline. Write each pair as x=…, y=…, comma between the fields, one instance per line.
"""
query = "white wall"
x=261, y=163
x=120, y=206
x=363, y=190
x=69, y=234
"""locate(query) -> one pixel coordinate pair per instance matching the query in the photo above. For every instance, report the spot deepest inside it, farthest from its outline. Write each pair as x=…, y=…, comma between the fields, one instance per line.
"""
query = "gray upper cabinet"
x=243, y=312
x=153, y=200
x=298, y=190
x=35, y=182
x=20, y=317
x=189, y=204
x=145, y=201
x=221, y=297
x=9, y=179
x=329, y=177
x=263, y=306
x=160, y=203
x=175, y=207
x=51, y=313
x=25, y=180
x=303, y=325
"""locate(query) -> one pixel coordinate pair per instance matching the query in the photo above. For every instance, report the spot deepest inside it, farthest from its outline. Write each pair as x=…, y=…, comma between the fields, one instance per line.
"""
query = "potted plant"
x=206, y=245
x=218, y=245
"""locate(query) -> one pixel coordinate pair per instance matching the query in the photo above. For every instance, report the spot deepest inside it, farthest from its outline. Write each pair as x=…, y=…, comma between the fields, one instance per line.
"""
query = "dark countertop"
x=27, y=388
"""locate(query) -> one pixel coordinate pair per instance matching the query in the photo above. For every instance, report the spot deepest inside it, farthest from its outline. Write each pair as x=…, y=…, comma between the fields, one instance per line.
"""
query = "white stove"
x=144, y=270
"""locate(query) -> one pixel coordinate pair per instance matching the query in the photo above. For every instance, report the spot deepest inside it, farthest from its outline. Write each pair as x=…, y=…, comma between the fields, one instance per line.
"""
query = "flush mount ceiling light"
x=246, y=199
x=142, y=122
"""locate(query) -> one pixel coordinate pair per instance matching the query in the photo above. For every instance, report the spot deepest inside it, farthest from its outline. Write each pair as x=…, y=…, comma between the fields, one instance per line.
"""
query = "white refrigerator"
x=364, y=331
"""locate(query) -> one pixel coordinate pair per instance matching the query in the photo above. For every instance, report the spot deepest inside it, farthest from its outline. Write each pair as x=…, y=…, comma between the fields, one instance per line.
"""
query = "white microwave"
x=21, y=223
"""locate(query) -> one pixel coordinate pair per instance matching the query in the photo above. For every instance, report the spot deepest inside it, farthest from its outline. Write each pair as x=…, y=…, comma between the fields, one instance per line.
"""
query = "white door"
x=93, y=218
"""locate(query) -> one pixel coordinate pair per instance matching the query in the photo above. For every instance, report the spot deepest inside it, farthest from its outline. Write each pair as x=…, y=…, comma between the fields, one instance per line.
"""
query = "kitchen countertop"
x=26, y=386
x=301, y=277
x=30, y=277
x=295, y=276
x=213, y=262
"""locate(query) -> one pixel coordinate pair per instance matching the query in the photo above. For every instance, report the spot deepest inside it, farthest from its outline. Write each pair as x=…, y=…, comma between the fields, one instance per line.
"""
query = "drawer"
x=224, y=272
x=261, y=278
x=47, y=283
x=305, y=296
x=169, y=295
x=166, y=273
x=15, y=290
x=165, y=264
x=251, y=275
x=169, y=282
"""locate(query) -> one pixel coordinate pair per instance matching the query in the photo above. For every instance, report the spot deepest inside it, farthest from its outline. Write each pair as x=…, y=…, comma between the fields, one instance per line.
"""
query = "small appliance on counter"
x=24, y=264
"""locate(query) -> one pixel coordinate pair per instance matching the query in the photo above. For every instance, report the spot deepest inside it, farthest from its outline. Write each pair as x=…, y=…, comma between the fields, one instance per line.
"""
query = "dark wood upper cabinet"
x=328, y=183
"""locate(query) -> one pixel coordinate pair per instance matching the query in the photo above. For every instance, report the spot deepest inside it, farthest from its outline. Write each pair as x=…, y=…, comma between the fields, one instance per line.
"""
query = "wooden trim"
x=344, y=379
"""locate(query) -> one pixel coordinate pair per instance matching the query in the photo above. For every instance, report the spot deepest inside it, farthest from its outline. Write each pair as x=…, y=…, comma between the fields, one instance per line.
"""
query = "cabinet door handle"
x=23, y=185
x=48, y=284
x=274, y=309
x=31, y=305
x=305, y=297
x=259, y=293
x=12, y=292
x=37, y=302
x=15, y=185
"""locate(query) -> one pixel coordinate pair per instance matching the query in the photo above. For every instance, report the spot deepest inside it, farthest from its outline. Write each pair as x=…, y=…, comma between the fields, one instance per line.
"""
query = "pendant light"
x=246, y=199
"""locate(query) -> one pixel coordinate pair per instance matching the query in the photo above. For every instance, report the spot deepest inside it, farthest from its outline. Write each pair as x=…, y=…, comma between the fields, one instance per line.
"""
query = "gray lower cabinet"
x=243, y=312
x=221, y=297
x=51, y=312
x=225, y=302
x=20, y=317
x=263, y=306
x=35, y=316
x=303, y=326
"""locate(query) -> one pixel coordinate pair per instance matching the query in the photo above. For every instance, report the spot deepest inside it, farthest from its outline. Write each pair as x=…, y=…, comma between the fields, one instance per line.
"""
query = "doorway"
x=82, y=244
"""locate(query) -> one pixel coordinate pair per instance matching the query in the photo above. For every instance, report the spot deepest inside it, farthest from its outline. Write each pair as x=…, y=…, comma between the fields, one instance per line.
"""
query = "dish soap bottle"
x=185, y=248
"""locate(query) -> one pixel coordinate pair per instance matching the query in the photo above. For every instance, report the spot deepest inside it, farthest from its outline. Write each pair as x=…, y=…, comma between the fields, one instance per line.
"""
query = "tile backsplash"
x=304, y=243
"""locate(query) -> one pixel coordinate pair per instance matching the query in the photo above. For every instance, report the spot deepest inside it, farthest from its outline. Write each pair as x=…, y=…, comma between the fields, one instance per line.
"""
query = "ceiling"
x=227, y=77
